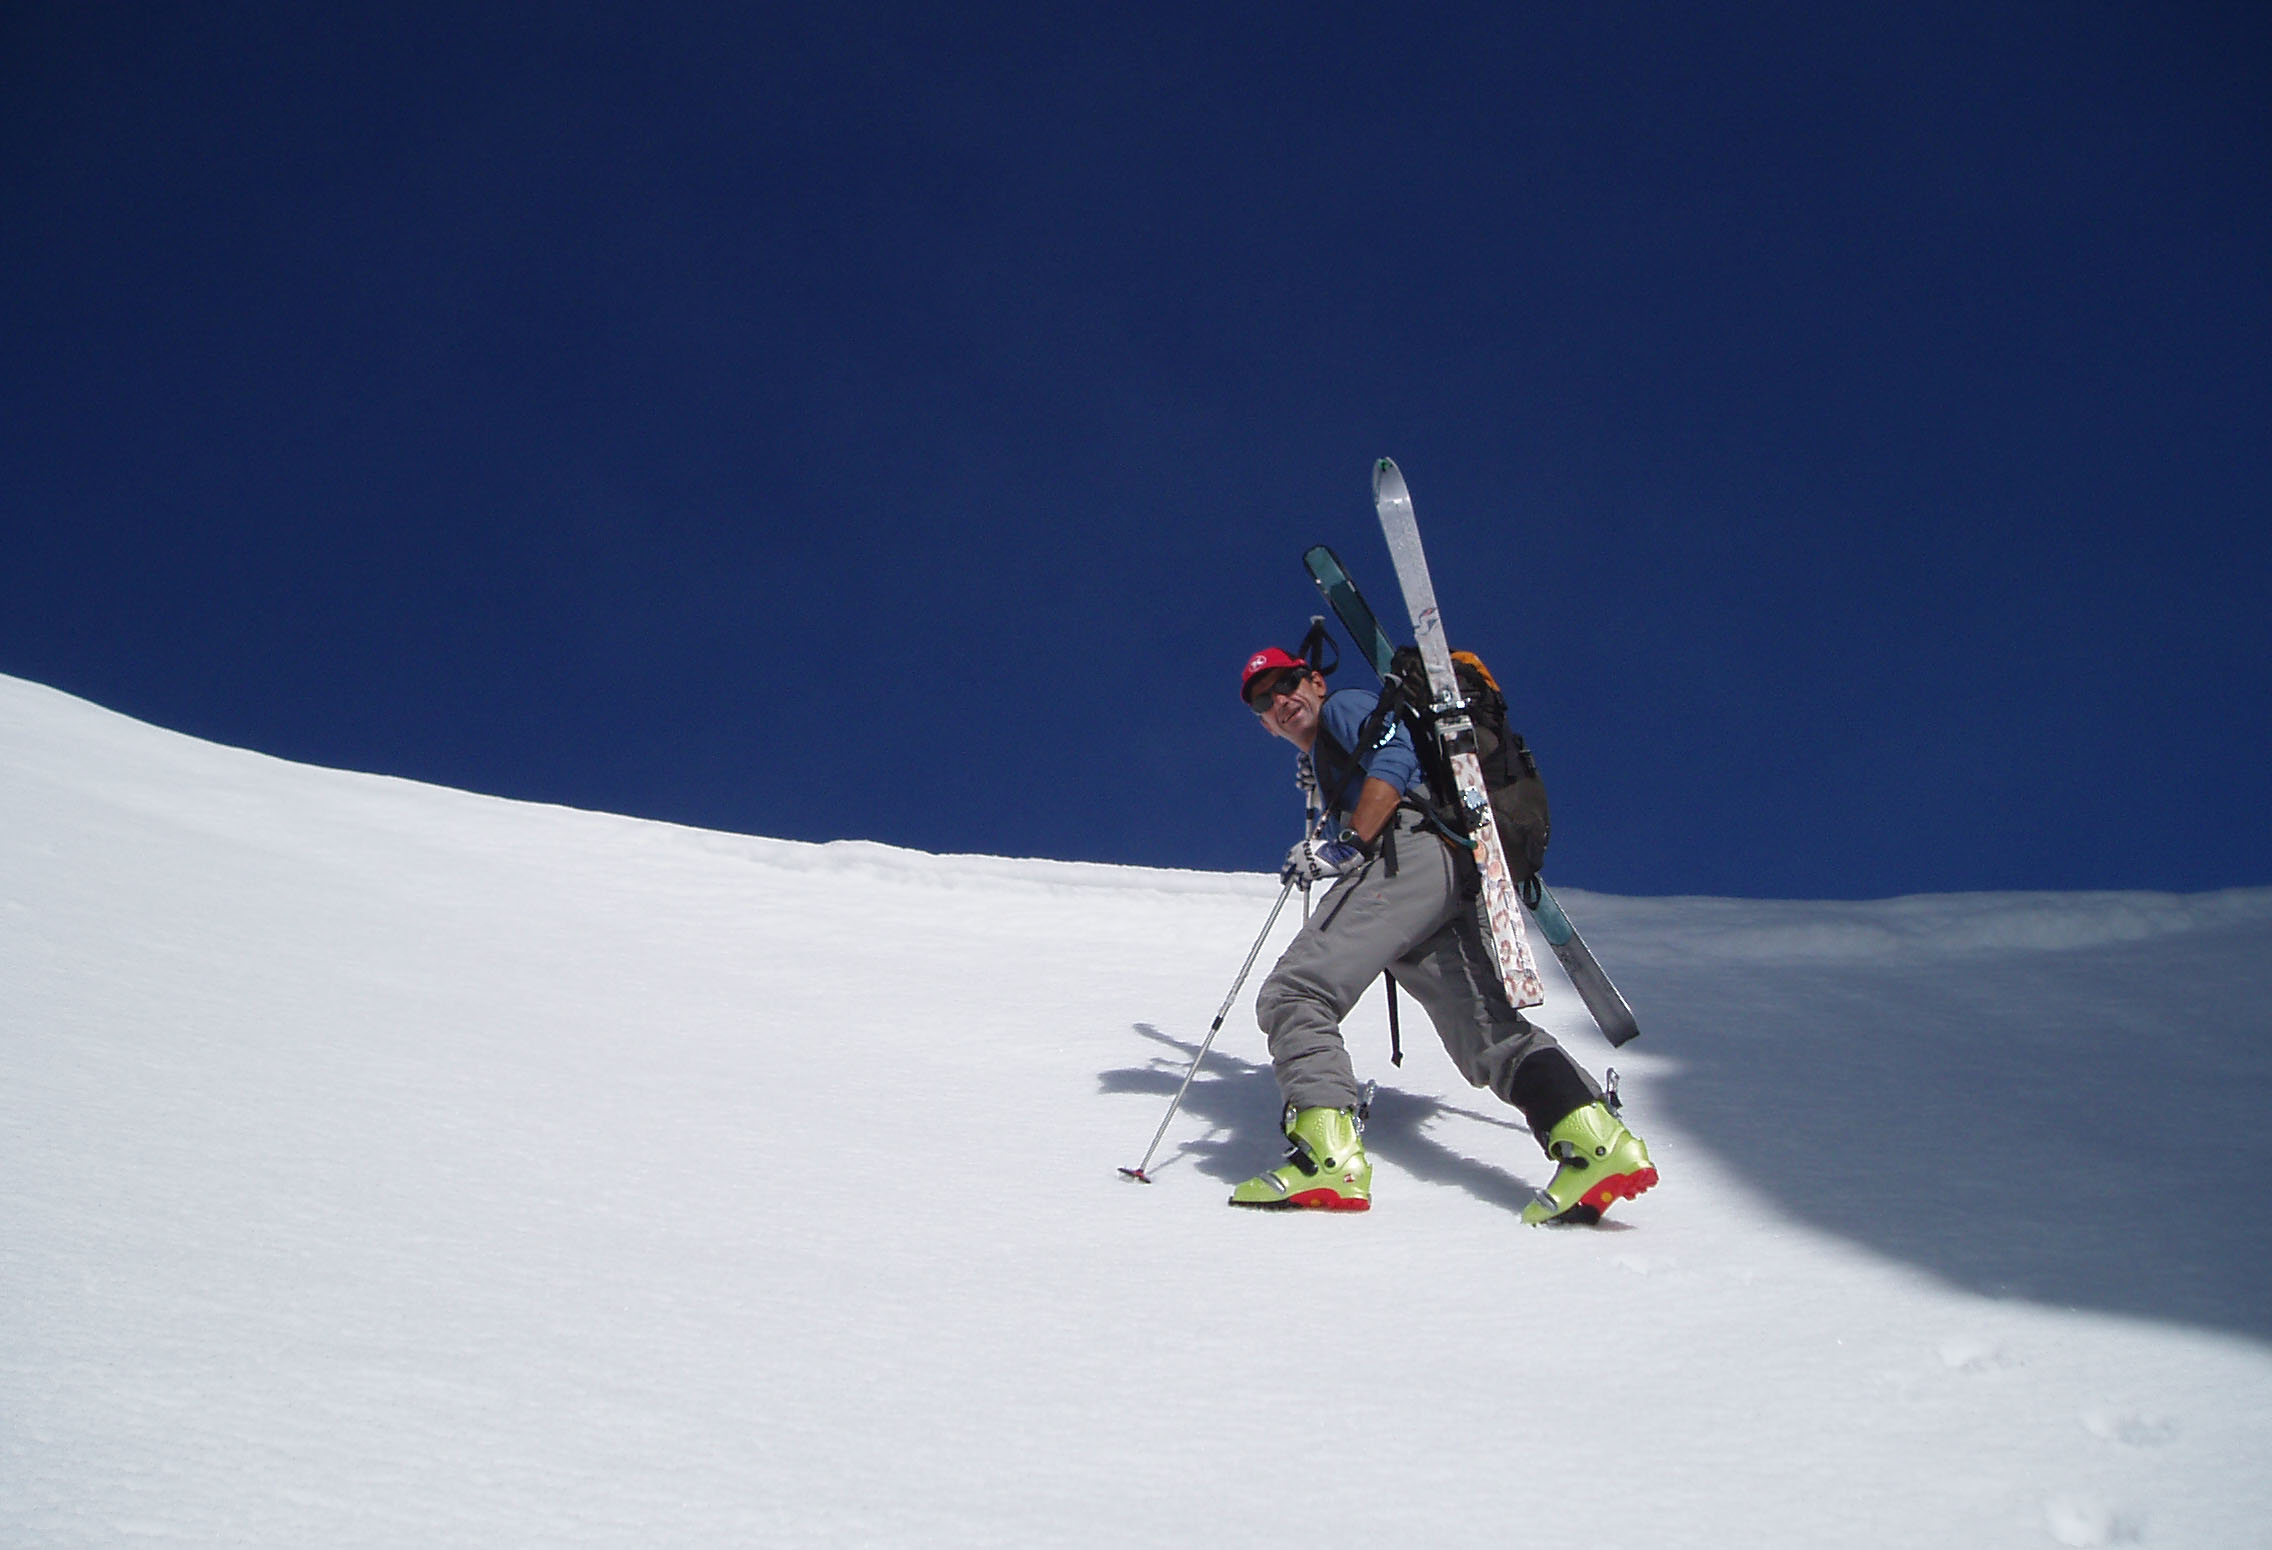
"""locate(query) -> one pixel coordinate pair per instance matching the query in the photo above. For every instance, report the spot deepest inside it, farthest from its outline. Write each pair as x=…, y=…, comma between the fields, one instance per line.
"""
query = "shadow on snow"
x=2082, y=1128
x=2079, y=1127
x=1234, y=1105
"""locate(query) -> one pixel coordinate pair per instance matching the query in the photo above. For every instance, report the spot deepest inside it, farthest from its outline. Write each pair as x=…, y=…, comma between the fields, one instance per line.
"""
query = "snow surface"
x=387, y=1165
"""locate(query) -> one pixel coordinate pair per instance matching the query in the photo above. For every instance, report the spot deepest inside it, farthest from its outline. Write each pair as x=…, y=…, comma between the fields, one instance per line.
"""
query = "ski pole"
x=1137, y=1173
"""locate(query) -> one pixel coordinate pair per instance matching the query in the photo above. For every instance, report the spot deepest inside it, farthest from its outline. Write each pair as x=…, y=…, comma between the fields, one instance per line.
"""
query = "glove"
x=1316, y=858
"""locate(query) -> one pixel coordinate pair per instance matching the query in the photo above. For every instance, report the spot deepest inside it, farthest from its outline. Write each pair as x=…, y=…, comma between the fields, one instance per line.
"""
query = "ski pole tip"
x=1137, y=1174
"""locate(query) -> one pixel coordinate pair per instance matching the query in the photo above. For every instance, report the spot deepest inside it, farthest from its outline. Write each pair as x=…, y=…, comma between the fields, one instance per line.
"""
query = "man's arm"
x=1376, y=805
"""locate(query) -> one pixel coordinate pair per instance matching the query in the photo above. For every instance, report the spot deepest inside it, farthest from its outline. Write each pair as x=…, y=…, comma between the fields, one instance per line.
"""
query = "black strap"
x=1314, y=646
x=1395, y=1034
x=1337, y=771
x=1377, y=729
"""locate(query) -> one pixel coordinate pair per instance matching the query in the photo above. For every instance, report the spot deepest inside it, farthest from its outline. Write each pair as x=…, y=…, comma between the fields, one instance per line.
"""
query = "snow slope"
x=392, y=1166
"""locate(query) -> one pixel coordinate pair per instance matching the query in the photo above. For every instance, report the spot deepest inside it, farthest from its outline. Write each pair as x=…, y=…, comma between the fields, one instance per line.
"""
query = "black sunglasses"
x=1266, y=690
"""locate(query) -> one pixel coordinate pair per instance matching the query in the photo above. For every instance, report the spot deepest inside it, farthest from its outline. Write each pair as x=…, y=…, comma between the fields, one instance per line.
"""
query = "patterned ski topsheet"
x=1510, y=944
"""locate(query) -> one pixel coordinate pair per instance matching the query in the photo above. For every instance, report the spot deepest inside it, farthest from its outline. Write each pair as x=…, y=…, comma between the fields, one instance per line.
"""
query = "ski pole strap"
x=1395, y=1034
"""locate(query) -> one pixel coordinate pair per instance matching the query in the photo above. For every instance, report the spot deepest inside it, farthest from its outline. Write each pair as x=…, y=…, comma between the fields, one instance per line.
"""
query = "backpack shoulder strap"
x=1337, y=768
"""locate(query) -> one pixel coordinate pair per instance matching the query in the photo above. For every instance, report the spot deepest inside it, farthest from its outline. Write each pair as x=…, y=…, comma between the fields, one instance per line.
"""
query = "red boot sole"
x=1626, y=1186
x=1327, y=1200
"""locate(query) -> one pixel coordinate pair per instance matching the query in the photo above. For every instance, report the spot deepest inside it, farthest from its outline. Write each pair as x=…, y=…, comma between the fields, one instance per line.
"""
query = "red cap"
x=1268, y=660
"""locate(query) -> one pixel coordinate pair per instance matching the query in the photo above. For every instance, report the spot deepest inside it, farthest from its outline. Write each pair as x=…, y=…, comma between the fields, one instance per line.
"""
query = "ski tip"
x=1388, y=480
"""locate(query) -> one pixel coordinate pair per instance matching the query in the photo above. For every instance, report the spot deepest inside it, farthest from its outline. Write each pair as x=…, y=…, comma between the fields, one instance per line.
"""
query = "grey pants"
x=1417, y=927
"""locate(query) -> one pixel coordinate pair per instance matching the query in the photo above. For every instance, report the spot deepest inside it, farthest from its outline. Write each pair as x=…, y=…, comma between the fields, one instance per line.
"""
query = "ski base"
x=1603, y=1000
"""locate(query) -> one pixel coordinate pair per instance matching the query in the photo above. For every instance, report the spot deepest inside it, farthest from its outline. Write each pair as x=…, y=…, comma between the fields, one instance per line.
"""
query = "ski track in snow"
x=394, y=1166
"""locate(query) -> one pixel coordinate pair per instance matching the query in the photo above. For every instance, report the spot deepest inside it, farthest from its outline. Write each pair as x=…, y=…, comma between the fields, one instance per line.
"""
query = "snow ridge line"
x=54, y=739
x=1956, y=924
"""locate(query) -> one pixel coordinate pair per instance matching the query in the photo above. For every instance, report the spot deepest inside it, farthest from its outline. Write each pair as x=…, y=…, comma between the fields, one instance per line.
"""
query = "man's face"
x=1287, y=702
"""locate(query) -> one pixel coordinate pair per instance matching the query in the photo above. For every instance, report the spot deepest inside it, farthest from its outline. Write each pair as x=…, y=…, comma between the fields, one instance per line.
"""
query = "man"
x=1404, y=899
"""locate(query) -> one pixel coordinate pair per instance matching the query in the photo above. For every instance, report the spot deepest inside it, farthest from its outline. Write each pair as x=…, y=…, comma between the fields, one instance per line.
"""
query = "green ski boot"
x=1326, y=1168
x=1601, y=1162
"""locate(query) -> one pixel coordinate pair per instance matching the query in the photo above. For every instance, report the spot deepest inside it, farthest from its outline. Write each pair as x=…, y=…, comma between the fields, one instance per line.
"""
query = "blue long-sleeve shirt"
x=1342, y=719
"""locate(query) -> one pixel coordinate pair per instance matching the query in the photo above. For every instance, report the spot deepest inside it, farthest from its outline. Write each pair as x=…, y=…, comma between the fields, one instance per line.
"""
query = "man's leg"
x=1599, y=1161
x=1454, y=978
x=1368, y=921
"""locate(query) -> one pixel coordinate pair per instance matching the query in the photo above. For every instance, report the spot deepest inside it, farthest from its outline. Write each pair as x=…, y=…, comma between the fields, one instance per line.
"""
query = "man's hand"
x=1317, y=858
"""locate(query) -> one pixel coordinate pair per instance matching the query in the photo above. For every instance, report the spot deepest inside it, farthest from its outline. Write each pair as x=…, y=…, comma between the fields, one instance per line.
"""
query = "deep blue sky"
x=1850, y=431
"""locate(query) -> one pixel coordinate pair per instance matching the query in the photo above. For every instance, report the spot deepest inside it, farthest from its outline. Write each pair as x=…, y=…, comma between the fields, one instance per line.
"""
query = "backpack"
x=1510, y=774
